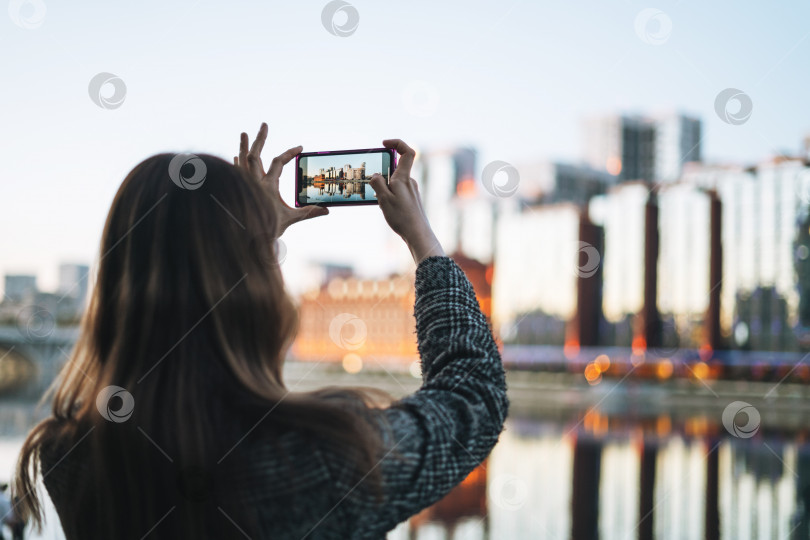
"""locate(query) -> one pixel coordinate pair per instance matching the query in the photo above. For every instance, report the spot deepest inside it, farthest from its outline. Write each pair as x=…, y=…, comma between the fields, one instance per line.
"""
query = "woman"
x=172, y=420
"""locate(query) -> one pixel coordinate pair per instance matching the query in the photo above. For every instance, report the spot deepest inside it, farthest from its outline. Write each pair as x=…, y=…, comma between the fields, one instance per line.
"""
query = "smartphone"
x=340, y=178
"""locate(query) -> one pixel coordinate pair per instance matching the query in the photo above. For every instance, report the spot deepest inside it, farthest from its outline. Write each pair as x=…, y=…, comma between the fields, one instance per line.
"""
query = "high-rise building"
x=677, y=141
x=764, y=212
x=536, y=257
x=648, y=148
x=20, y=287
x=73, y=281
x=464, y=162
x=445, y=173
x=555, y=181
x=621, y=145
x=684, y=257
x=683, y=263
x=621, y=211
x=460, y=213
x=436, y=177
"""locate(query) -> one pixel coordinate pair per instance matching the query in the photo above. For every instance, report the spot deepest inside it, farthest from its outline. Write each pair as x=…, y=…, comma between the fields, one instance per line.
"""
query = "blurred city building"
x=684, y=264
x=652, y=249
x=761, y=321
x=534, y=285
x=73, y=280
x=20, y=291
x=65, y=305
x=20, y=287
x=678, y=140
x=711, y=256
x=370, y=322
x=550, y=182
x=621, y=213
x=331, y=271
x=640, y=147
x=72, y=289
x=765, y=221
x=461, y=213
x=622, y=145
x=358, y=322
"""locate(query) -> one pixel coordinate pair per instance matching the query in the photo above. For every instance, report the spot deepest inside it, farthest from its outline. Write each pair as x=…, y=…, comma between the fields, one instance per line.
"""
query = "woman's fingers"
x=250, y=160
x=258, y=144
x=379, y=185
x=243, y=149
x=312, y=211
x=282, y=159
x=294, y=215
x=254, y=157
x=406, y=155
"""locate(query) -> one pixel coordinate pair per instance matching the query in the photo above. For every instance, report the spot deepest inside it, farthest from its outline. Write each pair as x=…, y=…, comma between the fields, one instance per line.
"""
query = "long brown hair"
x=190, y=317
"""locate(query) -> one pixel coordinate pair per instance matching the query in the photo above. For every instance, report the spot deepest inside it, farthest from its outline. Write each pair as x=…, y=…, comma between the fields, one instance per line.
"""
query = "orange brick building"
x=348, y=319
x=366, y=318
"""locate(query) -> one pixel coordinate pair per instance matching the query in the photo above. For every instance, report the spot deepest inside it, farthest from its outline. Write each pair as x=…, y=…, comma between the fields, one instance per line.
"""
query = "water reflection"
x=549, y=479
x=588, y=476
x=338, y=190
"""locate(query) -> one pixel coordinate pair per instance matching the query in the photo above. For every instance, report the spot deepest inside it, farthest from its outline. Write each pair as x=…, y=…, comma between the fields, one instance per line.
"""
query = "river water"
x=590, y=473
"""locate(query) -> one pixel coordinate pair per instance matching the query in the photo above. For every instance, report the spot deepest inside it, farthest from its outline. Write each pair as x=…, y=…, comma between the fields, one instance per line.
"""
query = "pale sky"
x=514, y=79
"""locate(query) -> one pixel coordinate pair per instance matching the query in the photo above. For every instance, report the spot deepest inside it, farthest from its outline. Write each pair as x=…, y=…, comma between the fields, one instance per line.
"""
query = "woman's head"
x=188, y=315
x=186, y=265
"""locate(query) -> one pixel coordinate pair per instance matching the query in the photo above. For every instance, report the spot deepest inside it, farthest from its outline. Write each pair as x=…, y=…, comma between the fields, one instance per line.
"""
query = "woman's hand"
x=251, y=162
x=402, y=207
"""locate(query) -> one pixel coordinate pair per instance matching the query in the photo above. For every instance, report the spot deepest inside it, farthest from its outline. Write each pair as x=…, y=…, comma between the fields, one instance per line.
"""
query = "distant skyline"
x=312, y=164
x=514, y=80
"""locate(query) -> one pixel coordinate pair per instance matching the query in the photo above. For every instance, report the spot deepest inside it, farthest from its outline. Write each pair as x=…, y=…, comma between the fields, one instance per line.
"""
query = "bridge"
x=29, y=363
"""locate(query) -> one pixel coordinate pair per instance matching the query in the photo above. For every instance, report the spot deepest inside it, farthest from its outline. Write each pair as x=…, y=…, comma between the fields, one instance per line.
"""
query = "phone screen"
x=341, y=177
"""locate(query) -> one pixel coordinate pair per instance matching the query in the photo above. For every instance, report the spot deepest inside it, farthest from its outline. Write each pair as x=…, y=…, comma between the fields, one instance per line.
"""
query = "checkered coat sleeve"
x=449, y=426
